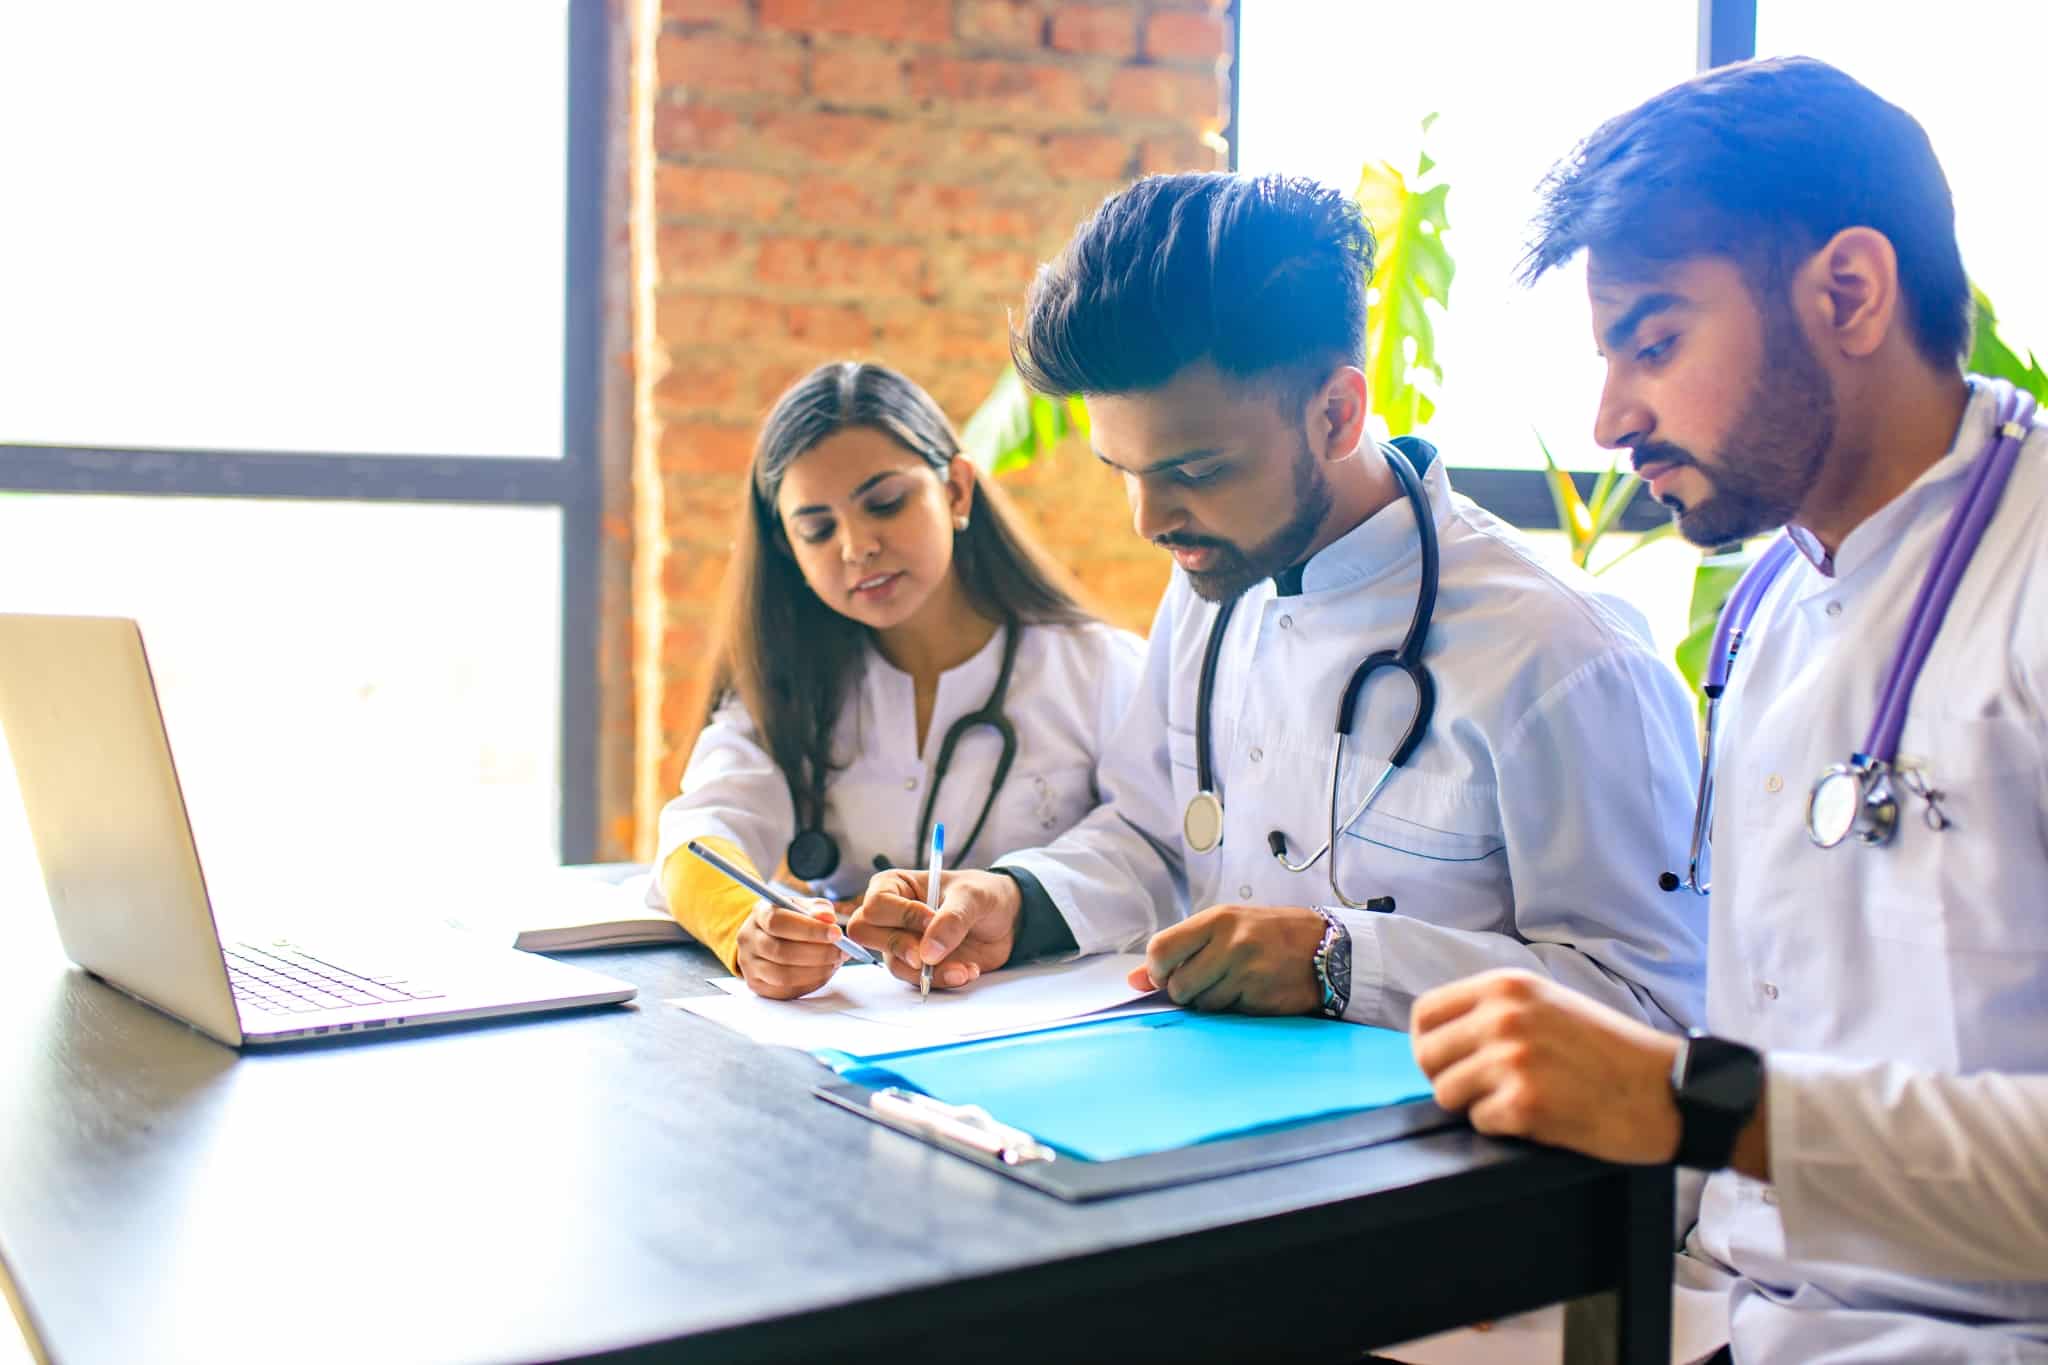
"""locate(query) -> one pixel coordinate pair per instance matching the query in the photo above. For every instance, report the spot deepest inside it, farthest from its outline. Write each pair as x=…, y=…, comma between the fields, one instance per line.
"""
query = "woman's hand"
x=783, y=955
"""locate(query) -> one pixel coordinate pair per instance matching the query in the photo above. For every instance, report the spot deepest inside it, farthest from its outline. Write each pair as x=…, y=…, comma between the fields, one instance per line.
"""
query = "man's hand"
x=783, y=955
x=1526, y=1057
x=973, y=932
x=1256, y=959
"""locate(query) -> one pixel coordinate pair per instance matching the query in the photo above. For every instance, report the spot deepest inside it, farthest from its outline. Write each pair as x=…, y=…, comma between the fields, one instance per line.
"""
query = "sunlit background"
x=280, y=226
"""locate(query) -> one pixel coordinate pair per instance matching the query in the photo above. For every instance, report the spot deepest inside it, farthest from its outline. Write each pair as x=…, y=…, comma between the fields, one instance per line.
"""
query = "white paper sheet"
x=864, y=1010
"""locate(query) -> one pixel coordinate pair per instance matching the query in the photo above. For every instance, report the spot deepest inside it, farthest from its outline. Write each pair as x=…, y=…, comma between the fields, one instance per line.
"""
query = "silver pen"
x=931, y=898
x=774, y=897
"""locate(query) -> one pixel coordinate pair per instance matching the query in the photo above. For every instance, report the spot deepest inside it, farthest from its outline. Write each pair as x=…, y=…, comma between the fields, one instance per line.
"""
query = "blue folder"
x=1125, y=1087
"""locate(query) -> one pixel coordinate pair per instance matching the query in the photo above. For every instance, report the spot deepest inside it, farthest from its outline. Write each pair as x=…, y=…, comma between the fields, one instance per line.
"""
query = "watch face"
x=1722, y=1075
x=1338, y=967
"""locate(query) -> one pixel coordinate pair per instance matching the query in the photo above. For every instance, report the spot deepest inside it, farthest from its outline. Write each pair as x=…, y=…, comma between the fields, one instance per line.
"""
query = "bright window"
x=246, y=224
x=1326, y=88
x=1963, y=78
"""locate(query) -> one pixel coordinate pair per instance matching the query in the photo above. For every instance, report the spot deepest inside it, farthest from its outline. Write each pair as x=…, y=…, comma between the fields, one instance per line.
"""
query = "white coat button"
x=1287, y=623
x=910, y=784
x=1834, y=608
x=1039, y=782
x=1770, y=991
x=1774, y=783
x=1771, y=1197
x=1046, y=824
x=1258, y=754
x=1244, y=892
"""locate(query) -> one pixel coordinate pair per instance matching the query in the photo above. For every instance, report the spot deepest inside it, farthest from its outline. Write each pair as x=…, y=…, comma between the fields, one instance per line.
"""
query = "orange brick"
x=706, y=447
x=699, y=508
x=691, y=577
x=959, y=391
x=1184, y=36
x=1087, y=156
x=857, y=76
x=896, y=21
x=832, y=264
x=1010, y=87
x=836, y=139
x=1002, y=23
x=694, y=319
x=699, y=62
x=1162, y=155
x=693, y=129
x=1002, y=272
x=833, y=327
x=963, y=211
x=701, y=382
x=718, y=192
x=978, y=336
x=1151, y=91
x=843, y=203
x=1106, y=30
x=736, y=13
x=699, y=255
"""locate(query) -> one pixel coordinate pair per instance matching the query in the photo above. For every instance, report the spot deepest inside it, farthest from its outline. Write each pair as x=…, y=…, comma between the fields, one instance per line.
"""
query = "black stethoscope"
x=1202, y=822
x=1857, y=798
x=813, y=855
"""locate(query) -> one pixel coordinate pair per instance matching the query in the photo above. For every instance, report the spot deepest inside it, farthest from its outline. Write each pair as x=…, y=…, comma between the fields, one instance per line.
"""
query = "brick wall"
x=875, y=179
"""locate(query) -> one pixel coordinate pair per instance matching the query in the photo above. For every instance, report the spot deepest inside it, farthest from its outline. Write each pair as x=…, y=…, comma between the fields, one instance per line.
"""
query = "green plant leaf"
x=1715, y=578
x=1991, y=357
x=1414, y=270
x=1573, y=516
x=1014, y=426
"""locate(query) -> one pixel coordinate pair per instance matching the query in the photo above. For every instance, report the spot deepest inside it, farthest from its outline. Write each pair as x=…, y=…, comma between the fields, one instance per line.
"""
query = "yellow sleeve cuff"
x=711, y=905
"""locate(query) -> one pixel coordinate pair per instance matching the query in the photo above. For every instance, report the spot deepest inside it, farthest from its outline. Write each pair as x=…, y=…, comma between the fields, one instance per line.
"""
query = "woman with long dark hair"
x=892, y=653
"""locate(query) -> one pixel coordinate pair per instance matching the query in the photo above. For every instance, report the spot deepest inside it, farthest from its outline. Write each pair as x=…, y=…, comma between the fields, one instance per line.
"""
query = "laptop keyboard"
x=283, y=979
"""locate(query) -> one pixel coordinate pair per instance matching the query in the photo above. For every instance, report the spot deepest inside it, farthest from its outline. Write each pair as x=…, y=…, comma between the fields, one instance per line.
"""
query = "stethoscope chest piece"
x=1854, y=798
x=813, y=855
x=1202, y=823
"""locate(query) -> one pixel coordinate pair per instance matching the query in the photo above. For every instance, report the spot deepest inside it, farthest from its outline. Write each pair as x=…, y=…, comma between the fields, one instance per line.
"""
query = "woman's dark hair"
x=1262, y=276
x=788, y=657
x=1762, y=163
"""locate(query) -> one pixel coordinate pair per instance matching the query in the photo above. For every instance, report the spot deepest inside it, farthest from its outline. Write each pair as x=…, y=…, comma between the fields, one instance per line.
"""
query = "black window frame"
x=1727, y=33
x=574, y=483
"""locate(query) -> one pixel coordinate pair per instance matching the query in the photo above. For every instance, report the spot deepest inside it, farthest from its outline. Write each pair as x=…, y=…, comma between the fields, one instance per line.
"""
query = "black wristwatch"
x=1717, y=1085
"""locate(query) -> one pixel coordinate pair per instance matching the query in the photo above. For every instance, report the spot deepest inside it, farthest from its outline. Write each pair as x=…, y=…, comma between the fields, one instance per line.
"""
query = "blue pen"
x=931, y=898
x=774, y=897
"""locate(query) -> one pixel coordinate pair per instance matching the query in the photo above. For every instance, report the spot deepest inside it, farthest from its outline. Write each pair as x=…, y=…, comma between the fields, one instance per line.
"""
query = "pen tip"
x=938, y=836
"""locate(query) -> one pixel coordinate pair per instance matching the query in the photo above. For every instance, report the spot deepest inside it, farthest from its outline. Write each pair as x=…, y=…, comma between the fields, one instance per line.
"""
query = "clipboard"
x=1077, y=1180
x=1113, y=1106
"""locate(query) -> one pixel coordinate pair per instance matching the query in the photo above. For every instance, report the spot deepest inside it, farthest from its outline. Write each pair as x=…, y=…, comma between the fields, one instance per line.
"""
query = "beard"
x=1771, y=459
x=1236, y=568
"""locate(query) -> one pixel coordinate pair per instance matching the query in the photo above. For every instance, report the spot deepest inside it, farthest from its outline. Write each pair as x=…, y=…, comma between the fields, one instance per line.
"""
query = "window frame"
x=1521, y=497
x=588, y=476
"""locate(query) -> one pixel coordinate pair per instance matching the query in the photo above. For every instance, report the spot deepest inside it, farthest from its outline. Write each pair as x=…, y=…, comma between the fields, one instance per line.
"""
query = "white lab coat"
x=1528, y=829
x=1068, y=689
x=1900, y=993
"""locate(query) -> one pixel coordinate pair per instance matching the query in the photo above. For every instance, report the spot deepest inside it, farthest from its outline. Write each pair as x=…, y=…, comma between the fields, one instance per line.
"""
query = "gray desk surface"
x=630, y=1183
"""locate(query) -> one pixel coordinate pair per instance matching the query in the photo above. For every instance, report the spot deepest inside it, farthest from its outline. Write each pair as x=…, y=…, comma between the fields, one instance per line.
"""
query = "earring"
x=960, y=523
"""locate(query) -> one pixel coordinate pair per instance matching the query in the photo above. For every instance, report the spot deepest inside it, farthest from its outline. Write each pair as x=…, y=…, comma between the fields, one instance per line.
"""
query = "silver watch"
x=1333, y=965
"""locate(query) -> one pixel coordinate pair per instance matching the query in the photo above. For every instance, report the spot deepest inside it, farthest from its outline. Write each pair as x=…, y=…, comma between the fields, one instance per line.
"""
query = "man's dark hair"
x=1761, y=163
x=1263, y=276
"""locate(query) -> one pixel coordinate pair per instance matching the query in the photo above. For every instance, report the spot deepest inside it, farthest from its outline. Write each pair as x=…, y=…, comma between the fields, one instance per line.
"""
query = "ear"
x=960, y=487
x=1855, y=283
x=1336, y=414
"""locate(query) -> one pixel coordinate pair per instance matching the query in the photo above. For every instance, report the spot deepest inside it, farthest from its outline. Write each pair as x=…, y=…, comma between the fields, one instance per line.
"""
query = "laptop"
x=80, y=711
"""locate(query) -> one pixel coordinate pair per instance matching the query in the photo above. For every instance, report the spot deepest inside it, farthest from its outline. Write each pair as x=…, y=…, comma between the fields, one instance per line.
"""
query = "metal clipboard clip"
x=968, y=1125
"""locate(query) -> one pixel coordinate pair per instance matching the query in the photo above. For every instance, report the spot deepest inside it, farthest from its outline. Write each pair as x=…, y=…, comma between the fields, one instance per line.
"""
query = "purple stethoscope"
x=1858, y=797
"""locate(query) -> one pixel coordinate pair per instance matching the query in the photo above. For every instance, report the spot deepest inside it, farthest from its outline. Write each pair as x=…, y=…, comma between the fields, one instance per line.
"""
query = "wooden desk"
x=637, y=1184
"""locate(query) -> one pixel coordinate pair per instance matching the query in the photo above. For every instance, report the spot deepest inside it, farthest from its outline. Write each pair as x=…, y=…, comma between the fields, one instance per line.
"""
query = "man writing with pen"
x=1514, y=744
